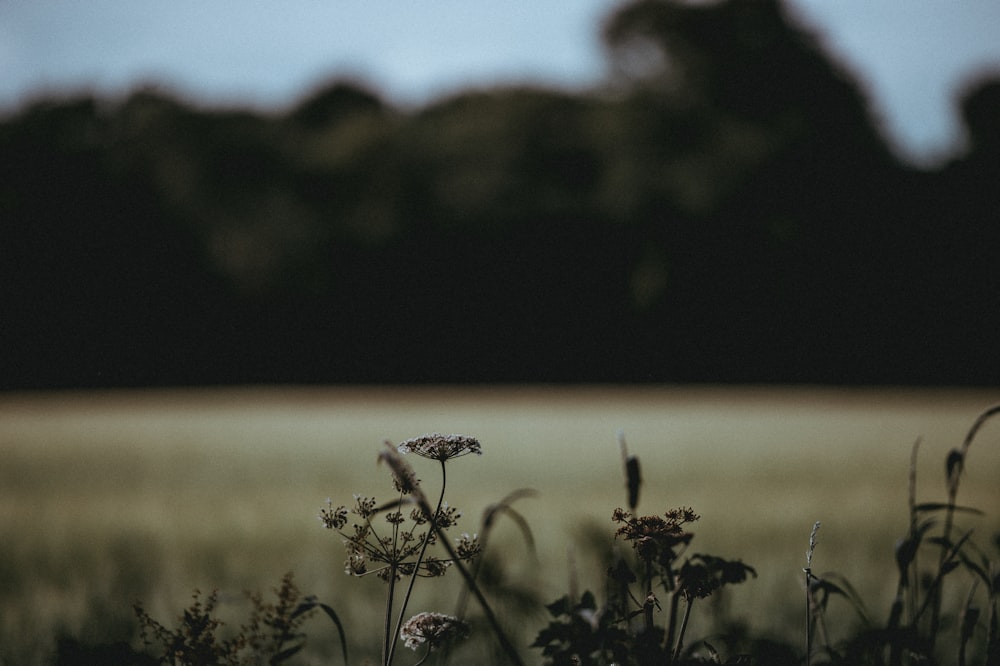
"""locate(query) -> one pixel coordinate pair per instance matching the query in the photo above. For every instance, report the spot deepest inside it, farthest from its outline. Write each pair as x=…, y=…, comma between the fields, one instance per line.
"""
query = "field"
x=113, y=497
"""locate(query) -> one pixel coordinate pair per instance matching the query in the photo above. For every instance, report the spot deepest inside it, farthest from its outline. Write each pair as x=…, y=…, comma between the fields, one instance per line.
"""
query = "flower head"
x=441, y=447
x=653, y=537
x=433, y=629
x=468, y=547
x=333, y=518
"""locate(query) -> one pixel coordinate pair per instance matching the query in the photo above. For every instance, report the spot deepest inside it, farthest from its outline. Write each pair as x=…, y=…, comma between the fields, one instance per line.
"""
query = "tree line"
x=722, y=209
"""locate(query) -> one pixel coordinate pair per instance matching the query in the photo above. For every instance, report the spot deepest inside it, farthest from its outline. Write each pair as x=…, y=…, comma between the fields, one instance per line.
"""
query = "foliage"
x=727, y=197
x=641, y=619
x=581, y=633
x=272, y=636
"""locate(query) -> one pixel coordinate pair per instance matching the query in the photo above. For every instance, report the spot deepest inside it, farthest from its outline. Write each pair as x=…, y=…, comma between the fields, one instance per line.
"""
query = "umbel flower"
x=441, y=447
x=653, y=537
x=432, y=628
x=399, y=554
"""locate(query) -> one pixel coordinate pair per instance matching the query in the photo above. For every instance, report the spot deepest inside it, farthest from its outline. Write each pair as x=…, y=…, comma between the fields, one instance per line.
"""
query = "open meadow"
x=109, y=498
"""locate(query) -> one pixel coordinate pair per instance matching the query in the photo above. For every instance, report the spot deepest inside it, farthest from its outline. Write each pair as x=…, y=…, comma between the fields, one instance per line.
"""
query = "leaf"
x=559, y=607
x=844, y=588
x=716, y=659
x=285, y=654
x=311, y=603
x=938, y=506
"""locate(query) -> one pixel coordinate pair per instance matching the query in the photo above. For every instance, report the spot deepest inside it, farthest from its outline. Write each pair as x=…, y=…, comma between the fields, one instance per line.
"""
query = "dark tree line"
x=723, y=210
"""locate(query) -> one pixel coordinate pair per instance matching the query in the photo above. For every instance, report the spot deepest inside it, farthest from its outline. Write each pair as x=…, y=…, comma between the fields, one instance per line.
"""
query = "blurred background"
x=598, y=191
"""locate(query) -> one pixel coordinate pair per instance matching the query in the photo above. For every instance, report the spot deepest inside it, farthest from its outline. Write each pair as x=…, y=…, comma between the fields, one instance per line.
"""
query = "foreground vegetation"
x=666, y=600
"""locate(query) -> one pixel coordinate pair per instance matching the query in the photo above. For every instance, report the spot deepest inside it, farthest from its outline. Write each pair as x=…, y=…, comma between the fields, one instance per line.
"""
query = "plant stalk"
x=416, y=569
x=684, y=622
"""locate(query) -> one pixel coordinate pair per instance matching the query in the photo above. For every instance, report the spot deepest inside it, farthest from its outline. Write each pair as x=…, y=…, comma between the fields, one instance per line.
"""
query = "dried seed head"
x=653, y=537
x=431, y=628
x=441, y=447
x=333, y=518
x=468, y=547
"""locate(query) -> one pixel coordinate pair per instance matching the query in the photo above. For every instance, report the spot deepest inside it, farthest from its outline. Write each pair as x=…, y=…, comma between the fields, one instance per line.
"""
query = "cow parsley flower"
x=431, y=628
x=441, y=447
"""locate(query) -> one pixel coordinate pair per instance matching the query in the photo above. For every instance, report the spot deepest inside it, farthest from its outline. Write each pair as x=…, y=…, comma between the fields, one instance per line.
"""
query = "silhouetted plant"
x=915, y=623
x=641, y=621
x=274, y=633
x=583, y=633
x=400, y=550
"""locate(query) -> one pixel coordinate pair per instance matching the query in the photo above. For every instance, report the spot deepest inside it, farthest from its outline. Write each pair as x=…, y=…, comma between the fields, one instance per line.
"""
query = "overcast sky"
x=912, y=55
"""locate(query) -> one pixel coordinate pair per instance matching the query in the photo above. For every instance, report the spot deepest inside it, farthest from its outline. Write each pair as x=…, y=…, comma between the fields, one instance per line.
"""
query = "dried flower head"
x=431, y=628
x=653, y=537
x=333, y=518
x=441, y=447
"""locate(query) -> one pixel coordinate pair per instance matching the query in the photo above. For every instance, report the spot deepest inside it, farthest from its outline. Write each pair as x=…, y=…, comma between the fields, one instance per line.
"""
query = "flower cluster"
x=441, y=447
x=468, y=547
x=432, y=628
x=655, y=538
x=395, y=550
x=333, y=519
x=399, y=548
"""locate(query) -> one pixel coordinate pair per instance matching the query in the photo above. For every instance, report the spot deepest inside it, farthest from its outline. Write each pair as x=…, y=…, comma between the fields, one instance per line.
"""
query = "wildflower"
x=653, y=537
x=333, y=518
x=355, y=564
x=433, y=629
x=447, y=516
x=433, y=567
x=441, y=447
x=364, y=506
x=468, y=547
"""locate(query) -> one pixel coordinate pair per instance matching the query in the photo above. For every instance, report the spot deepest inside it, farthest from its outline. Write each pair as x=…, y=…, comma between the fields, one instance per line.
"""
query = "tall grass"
x=110, y=498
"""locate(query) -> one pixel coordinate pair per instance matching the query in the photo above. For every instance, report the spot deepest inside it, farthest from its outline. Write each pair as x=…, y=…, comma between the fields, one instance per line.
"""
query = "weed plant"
x=934, y=550
x=945, y=609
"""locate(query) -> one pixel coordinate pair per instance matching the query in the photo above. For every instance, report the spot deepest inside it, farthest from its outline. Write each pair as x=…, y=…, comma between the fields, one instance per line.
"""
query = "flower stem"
x=386, y=650
x=416, y=569
x=684, y=623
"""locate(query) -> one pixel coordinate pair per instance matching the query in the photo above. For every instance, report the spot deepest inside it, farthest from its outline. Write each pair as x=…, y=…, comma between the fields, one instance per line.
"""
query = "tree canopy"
x=725, y=209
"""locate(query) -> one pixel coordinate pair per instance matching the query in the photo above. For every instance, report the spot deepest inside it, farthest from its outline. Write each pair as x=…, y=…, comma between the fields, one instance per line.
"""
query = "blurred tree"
x=725, y=209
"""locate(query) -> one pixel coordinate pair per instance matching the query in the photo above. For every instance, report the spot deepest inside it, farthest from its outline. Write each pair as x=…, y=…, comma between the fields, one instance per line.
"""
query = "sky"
x=912, y=56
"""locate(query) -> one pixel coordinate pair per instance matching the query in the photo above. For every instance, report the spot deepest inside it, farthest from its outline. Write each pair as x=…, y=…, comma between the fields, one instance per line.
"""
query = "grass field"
x=112, y=497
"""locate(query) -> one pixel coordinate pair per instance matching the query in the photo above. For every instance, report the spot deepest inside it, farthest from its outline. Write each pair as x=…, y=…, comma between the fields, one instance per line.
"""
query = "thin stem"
x=684, y=622
x=911, y=571
x=809, y=614
x=650, y=601
x=810, y=602
x=672, y=621
x=416, y=568
x=424, y=658
x=505, y=643
x=935, y=587
x=386, y=653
